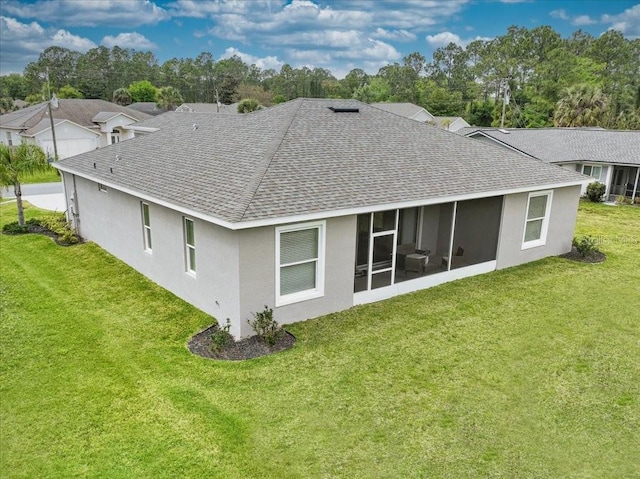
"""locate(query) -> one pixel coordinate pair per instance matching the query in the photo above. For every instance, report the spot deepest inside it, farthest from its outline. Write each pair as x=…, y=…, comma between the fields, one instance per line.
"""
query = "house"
x=80, y=125
x=148, y=107
x=313, y=206
x=208, y=108
x=407, y=110
x=417, y=113
x=450, y=123
x=611, y=157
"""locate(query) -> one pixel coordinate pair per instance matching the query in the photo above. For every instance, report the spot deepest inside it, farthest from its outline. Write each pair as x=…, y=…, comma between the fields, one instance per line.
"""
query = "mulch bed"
x=595, y=257
x=247, y=348
x=41, y=230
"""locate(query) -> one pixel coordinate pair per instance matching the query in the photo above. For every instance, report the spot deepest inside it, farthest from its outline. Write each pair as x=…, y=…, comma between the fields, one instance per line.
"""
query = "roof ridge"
x=270, y=152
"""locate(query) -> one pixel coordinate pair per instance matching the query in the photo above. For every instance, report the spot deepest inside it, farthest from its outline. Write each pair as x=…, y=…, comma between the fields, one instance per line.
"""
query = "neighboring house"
x=167, y=120
x=407, y=110
x=207, y=108
x=148, y=107
x=611, y=157
x=313, y=206
x=417, y=113
x=80, y=125
x=450, y=123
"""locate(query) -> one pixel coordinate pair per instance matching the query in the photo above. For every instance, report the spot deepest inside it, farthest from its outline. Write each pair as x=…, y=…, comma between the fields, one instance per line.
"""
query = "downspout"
x=73, y=207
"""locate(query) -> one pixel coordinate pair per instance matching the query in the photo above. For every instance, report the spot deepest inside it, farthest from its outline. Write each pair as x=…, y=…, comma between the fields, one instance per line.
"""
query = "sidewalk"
x=53, y=202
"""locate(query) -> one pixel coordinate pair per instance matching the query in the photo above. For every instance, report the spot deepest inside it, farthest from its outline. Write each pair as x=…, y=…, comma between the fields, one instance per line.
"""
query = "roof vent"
x=336, y=109
x=195, y=126
x=502, y=130
x=118, y=157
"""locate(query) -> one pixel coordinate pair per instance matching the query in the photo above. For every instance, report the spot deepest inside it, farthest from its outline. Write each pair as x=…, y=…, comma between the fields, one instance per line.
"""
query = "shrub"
x=595, y=191
x=248, y=105
x=221, y=338
x=58, y=224
x=266, y=327
x=585, y=246
x=15, y=229
x=623, y=200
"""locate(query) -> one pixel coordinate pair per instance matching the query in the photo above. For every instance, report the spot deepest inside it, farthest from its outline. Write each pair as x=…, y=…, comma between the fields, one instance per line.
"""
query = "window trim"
x=102, y=188
x=146, y=227
x=545, y=220
x=318, y=291
x=190, y=268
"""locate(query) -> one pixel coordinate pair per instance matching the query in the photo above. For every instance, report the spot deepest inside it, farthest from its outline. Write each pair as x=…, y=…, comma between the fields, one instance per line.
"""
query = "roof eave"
x=241, y=225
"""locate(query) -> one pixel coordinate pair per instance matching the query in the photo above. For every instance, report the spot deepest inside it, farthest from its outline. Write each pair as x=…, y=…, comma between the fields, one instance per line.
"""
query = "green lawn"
x=51, y=175
x=532, y=372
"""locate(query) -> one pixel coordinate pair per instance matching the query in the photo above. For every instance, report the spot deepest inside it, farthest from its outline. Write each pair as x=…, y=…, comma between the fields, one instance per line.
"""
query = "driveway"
x=47, y=196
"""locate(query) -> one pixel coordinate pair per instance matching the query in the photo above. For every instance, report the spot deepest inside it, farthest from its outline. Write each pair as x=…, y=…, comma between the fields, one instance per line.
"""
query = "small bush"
x=15, y=229
x=595, y=191
x=221, y=338
x=623, y=200
x=585, y=246
x=266, y=327
x=58, y=224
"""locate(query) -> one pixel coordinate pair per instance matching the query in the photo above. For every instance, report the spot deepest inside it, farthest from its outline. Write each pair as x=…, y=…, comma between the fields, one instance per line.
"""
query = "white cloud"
x=443, y=39
x=581, y=20
x=129, y=40
x=65, y=39
x=21, y=43
x=89, y=13
x=627, y=22
x=398, y=35
x=561, y=14
x=262, y=63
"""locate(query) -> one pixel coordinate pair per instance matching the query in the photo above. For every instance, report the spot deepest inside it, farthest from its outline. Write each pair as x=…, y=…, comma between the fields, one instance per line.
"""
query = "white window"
x=101, y=187
x=593, y=171
x=9, y=140
x=115, y=138
x=537, y=221
x=146, y=227
x=299, y=262
x=190, y=245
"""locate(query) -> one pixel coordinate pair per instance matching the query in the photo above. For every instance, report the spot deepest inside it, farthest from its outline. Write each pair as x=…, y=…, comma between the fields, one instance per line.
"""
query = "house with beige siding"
x=313, y=206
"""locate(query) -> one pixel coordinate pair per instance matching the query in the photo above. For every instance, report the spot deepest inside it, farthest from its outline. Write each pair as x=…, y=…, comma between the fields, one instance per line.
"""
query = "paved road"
x=34, y=190
x=48, y=196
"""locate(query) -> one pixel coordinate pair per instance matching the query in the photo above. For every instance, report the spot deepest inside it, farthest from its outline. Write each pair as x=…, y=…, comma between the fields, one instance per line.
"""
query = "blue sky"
x=336, y=34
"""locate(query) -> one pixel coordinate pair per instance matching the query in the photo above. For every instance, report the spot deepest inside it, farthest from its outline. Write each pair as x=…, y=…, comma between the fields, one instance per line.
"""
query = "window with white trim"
x=299, y=262
x=146, y=227
x=537, y=220
x=190, y=245
x=102, y=188
x=593, y=171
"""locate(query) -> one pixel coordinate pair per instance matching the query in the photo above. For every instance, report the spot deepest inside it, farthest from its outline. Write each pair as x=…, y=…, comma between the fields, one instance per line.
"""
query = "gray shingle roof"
x=564, y=145
x=300, y=158
x=408, y=110
x=81, y=112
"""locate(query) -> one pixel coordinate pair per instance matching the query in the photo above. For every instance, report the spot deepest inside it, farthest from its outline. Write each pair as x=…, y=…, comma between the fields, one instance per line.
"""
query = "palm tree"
x=168, y=97
x=122, y=97
x=581, y=105
x=15, y=162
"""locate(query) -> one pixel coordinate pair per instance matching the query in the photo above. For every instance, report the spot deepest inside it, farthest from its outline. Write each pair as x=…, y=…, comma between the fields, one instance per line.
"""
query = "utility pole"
x=505, y=100
x=53, y=101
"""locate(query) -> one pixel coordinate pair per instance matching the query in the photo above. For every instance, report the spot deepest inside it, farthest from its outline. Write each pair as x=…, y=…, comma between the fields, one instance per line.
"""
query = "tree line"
x=577, y=81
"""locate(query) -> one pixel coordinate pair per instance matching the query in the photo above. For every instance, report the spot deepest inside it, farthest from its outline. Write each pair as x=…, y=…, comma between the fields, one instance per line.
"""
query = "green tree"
x=142, y=91
x=68, y=91
x=13, y=86
x=248, y=105
x=581, y=105
x=17, y=161
x=122, y=97
x=168, y=97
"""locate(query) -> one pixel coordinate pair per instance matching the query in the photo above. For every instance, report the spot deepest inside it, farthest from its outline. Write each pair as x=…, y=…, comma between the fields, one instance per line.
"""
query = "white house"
x=611, y=157
x=313, y=206
x=80, y=125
